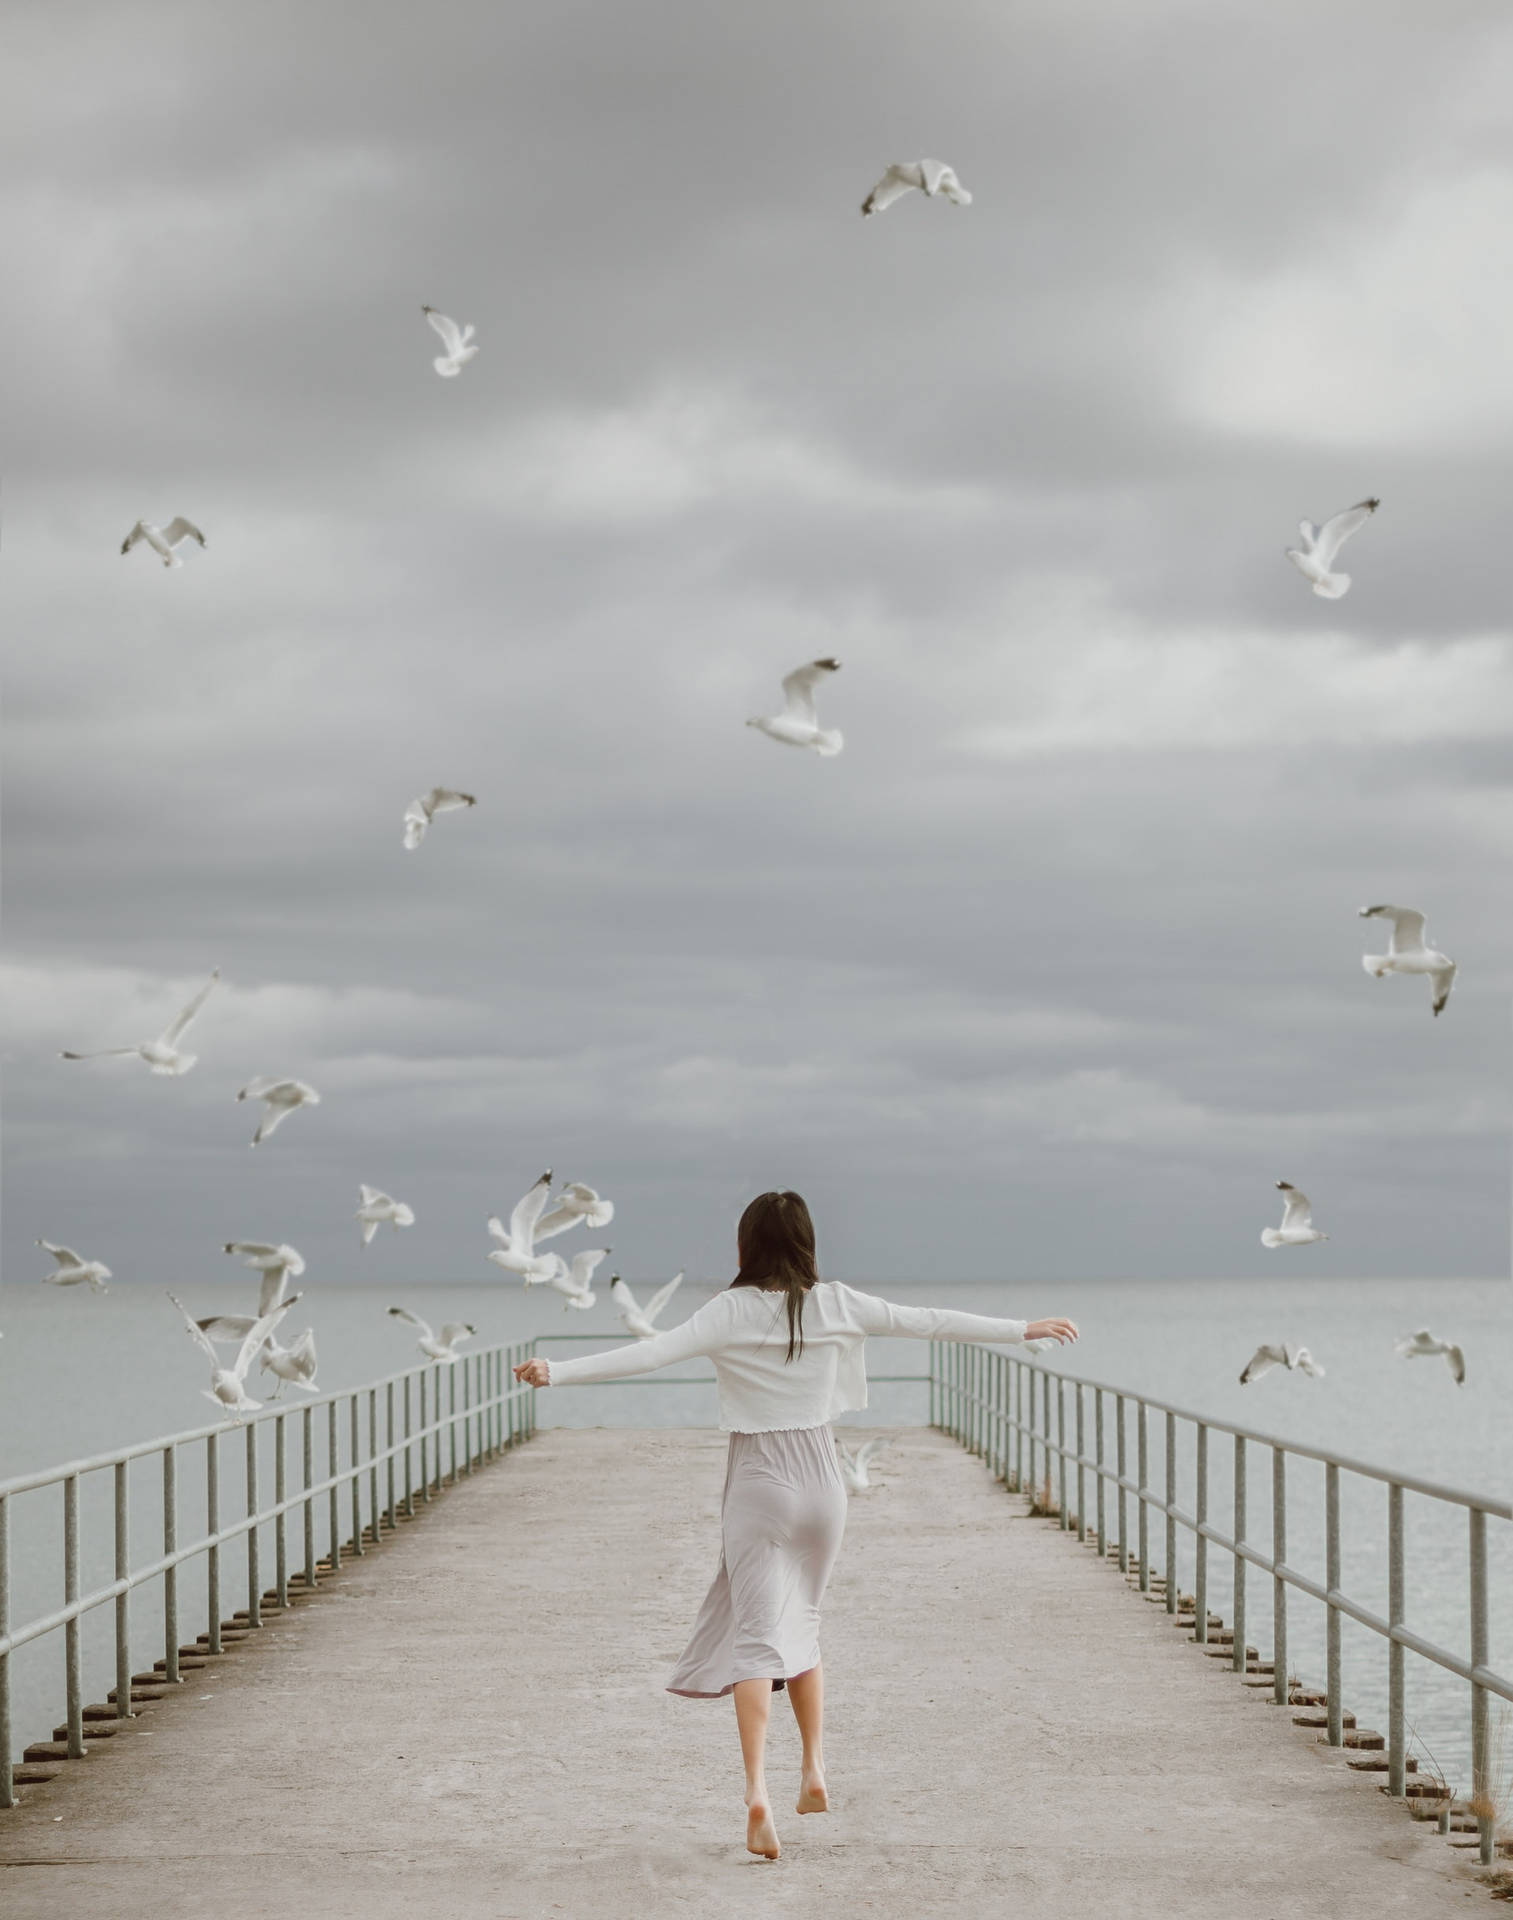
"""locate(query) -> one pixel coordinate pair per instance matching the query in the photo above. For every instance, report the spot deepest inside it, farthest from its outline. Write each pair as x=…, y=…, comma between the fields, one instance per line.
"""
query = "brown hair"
x=775, y=1240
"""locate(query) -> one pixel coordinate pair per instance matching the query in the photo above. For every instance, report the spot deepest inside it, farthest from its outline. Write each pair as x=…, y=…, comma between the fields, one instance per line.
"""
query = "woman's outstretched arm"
x=884, y=1318
x=700, y=1333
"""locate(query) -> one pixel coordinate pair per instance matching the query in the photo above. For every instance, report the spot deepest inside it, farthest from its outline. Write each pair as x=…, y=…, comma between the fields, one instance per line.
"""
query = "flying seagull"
x=1408, y=951
x=641, y=1321
x=1297, y=1228
x=575, y=1203
x=1321, y=544
x=71, y=1271
x=162, y=1054
x=457, y=341
x=228, y=1385
x=279, y=1098
x=442, y=1346
x=1423, y=1344
x=422, y=811
x=275, y=1265
x=572, y=1282
x=798, y=725
x=379, y=1209
x=854, y=1465
x=163, y=540
x=516, y=1251
x=295, y=1363
x=928, y=177
x=1267, y=1357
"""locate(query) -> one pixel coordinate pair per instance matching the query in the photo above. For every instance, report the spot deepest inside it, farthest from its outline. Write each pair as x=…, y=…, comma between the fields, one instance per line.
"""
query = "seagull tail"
x=1373, y=963
x=1270, y=1237
x=448, y=369
x=1332, y=586
x=828, y=743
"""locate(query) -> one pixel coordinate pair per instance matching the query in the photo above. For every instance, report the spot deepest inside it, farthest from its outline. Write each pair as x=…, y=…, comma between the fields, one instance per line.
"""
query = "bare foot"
x=761, y=1834
x=812, y=1795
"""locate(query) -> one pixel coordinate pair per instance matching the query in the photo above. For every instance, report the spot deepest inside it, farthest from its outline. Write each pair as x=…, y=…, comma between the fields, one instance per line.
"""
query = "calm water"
x=80, y=1374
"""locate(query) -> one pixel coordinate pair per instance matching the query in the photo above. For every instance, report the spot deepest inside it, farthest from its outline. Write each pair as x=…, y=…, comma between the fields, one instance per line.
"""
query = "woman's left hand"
x=533, y=1373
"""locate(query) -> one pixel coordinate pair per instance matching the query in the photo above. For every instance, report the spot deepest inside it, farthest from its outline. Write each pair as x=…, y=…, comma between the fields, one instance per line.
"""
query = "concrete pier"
x=469, y=1721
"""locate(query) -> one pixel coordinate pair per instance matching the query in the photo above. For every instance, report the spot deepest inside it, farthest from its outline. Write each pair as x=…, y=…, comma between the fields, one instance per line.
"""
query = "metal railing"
x=999, y=1405
x=397, y=1461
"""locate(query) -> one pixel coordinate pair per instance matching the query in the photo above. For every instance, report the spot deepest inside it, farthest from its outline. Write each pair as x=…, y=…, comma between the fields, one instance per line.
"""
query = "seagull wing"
x=416, y=821
x=624, y=1299
x=454, y=1331
x=138, y=532
x=445, y=800
x=172, y=1032
x=661, y=1297
x=497, y=1228
x=868, y=1449
x=527, y=1212
x=1262, y=1361
x=583, y=1266
x=226, y=1326
x=411, y=1320
x=1304, y=1359
x=798, y=689
x=373, y=1196
x=197, y=1333
x=558, y=1220
x=1336, y=531
x=181, y=529
x=257, y=1250
x=1444, y=980
x=1457, y=1362
x=451, y=337
x=1298, y=1211
x=893, y=186
x=272, y=1290
x=1310, y=532
x=1407, y=926
x=257, y=1333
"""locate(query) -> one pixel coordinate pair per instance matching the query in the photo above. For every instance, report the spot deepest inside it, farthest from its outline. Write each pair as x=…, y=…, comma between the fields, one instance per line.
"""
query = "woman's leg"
x=807, y=1692
x=753, y=1704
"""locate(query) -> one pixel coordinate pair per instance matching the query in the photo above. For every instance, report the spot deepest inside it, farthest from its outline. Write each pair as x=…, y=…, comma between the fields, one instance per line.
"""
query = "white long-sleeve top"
x=744, y=1330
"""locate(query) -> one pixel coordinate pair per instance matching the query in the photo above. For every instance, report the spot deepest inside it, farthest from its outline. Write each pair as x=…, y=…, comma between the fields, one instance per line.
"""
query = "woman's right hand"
x=532, y=1373
x=1055, y=1329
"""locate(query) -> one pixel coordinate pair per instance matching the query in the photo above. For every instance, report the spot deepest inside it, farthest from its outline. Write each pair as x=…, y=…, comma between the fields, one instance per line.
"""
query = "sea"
x=81, y=1374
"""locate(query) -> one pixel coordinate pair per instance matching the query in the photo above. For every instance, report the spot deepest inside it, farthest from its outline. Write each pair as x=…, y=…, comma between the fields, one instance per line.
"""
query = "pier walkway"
x=469, y=1721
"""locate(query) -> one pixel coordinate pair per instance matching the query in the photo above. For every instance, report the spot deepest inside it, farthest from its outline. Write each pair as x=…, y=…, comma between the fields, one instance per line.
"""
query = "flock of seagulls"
x=517, y=1248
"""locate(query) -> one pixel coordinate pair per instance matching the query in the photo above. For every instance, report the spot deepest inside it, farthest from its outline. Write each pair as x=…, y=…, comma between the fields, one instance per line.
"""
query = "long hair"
x=775, y=1240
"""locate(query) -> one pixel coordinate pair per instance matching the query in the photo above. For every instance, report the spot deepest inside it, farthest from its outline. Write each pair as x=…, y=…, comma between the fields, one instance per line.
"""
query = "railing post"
x=1238, y=1650
x=123, y=1601
x=254, y=1549
x=1061, y=1506
x=213, y=1555
x=452, y=1420
x=389, y=1449
x=72, y=1658
x=1142, y=1457
x=373, y=1520
x=1334, y=1679
x=1200, y=1540
x=1397, y=1739
x=1171, y=1519
x=1081, y=1471
x=333, y=1495
x=308, y=1441
x=1481, y=1656
x=409, y=1459
x=280, y=1494
x=1123, y=1476
x=1020, y=1371
x=1279, y=1687
x=171, y=1576
x=1098, y=1455
x=7, y=1785
x=425, y=1469
x=353, y=1423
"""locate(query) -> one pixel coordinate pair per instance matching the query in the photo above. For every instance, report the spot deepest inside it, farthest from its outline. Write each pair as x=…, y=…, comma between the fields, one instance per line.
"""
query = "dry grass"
x=1490, y=1801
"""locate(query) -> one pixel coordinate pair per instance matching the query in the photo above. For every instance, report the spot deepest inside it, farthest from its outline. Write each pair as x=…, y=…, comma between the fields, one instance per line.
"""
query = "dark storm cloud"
x=1056, y=968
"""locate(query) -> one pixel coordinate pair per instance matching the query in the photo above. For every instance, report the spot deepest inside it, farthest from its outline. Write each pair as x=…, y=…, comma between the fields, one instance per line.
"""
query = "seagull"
x=1267, y=1357
x=280, y=1097
x=1297, y=1228
x=163, y=540
x=1423, y=1344
x=854, y=1465
x=435, y=1346
x=798, y=725
x=228, y=1385
x=162, y=1054
x=641, y=1321
x=422, y=811
x=575, y=1203
x=458, y=344
x=1408, y=951
x=378, y=1210
x=1323, y=543
x=295, y=1363
x=276, y=1265
x=71, y=1271
x=929, y=177
x=516, y=1251
x=573, y=1282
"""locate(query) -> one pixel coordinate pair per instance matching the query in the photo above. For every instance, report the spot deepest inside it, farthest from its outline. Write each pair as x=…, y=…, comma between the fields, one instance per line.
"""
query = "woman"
x=787, y=1352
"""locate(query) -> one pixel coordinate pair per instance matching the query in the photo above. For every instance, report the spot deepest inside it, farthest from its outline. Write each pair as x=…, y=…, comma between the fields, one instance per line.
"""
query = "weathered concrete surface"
x=470, y=1722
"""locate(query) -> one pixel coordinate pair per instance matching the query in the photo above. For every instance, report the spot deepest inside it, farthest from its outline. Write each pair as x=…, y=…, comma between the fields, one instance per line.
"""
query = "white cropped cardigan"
x=744, y=1331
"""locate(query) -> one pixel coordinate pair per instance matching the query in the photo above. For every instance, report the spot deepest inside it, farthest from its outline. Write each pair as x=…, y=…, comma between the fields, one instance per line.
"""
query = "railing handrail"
x=46, y=1476
x=1390, y=1476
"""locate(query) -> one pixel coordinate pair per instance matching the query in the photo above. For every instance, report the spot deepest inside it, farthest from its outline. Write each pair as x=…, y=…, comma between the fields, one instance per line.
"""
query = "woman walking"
x=787, y=1349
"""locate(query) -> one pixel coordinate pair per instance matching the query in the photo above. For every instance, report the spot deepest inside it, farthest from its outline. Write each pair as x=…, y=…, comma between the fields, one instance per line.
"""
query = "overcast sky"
x=1057, y=967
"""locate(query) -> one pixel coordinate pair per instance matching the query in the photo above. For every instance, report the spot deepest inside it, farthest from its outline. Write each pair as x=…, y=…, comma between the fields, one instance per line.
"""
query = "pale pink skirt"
x=781, y=1522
